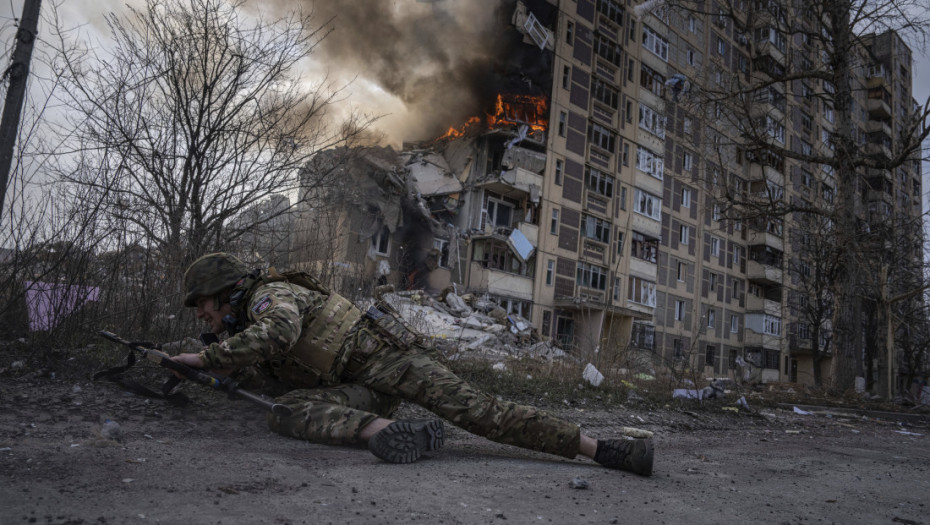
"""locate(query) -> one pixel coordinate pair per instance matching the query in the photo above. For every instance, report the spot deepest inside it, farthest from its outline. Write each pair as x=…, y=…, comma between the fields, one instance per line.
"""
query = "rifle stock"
x=210, y=379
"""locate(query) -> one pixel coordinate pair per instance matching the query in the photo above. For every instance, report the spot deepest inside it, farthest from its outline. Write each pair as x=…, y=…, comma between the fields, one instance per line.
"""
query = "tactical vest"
x=317, y=357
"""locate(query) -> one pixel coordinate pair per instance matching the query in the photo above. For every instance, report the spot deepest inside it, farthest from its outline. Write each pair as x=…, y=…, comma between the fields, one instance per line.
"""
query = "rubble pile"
x=467, y=326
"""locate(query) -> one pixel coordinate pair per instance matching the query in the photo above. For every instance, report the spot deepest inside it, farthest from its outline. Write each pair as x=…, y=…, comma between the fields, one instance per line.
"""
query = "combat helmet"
x=210, y=275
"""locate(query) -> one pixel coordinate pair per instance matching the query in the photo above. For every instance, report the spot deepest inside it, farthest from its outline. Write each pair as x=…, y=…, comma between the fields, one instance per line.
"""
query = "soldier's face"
x=207, y=313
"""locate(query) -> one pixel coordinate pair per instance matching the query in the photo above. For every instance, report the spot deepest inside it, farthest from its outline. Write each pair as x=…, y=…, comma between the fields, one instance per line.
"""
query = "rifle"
x=210, y=379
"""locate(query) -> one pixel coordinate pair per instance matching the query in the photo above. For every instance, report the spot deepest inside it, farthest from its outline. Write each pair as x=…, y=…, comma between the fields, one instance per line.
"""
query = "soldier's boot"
x=633, y=455
x=405, y=441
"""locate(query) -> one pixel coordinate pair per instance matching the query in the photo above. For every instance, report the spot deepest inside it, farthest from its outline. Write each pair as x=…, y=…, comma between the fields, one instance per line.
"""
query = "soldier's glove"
x=188, y=345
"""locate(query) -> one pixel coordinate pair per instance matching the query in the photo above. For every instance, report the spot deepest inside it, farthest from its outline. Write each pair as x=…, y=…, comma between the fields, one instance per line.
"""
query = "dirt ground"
x=216, y=462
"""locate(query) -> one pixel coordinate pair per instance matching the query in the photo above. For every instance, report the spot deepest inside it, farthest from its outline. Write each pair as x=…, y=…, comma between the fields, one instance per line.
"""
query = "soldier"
x=343, y=372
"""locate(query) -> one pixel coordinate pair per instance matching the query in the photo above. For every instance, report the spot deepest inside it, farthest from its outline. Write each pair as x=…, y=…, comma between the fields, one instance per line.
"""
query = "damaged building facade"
x=585, y=201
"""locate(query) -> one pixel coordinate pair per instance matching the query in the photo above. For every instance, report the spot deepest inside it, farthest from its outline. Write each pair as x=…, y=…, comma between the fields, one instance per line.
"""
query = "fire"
x=530, y=110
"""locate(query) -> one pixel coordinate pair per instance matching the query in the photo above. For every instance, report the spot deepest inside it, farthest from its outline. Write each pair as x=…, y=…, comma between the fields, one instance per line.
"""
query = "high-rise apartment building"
x=660, y=196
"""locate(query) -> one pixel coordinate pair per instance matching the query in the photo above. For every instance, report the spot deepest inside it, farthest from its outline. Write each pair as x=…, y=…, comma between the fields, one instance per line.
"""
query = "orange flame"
x=510, y=109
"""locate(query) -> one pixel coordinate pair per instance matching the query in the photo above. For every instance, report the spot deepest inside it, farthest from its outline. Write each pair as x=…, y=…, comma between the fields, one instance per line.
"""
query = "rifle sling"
x=115, y=375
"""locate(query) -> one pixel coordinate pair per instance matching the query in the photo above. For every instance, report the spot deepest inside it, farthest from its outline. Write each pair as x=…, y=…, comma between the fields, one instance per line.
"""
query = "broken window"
x=651, y=80
x=647, y=204
x=546, y=323
x=655, y=43
x=642, y=291
x=499, y=210
x=649, y=162
x=591, y=276
x=644, y=248
x=563, y=118
x=537, y=32
x=599, y=182
x=497, y=255
x=709, y=354
x=559, y=168
x=381, y=241
x=565, y=331
x=442, y=248
x=595, y=228
x=651, y=121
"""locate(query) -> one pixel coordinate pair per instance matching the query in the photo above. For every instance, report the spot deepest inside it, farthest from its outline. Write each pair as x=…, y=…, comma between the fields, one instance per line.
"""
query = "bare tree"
x=192, y=115
x=771, y=66
x=813, y=270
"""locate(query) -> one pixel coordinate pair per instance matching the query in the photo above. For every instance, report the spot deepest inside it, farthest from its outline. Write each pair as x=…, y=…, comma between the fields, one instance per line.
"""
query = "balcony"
x=758, y=304
x=763, y=172
x=763, y=273
x=498, y=282
x=769, y=49
x=766, y=341
x=878, y=108
x=510, y=183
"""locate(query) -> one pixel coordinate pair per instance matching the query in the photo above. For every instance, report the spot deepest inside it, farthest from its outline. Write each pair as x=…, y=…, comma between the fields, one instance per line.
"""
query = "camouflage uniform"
x=376, y=362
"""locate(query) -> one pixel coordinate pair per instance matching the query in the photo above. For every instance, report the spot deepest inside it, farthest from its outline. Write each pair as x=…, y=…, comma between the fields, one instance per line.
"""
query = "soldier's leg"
x=419, y=376
x=332, y=415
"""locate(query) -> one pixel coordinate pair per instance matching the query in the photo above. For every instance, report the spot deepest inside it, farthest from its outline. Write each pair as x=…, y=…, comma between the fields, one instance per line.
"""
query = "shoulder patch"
x=262, y=305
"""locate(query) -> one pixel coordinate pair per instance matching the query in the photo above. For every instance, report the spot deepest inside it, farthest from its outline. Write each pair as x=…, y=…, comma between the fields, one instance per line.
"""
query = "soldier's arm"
x=276, y=322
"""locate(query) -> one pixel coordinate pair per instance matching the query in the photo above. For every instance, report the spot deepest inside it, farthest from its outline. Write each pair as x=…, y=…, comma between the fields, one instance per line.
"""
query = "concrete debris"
x=801, y=412
x=578, y=483
x=500, y=367
x=685, y=393
x=592, y=375
x=110, y=430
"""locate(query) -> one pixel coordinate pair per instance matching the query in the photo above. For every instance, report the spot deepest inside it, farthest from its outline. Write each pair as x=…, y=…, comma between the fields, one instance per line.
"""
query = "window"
x=651, y=80
x=692, y=24
x=604, y=92
x=709, y=354
x=721, y=47
x=642, y=291
x=608, y=49
x=591, y=276
x=550, y=271
x=828, y=113
x=655, y=43
x=711, y=318
x=570, y=33
x=775, y=129
x=647, y=204
x=601, y=137
x=715, y=215
x=554, y=222
x=626, y=154
x=566, y=76
x=559, y=168
x=771, y=325
x=690, y=57
x=679, y=310
x=649, y=162
x=629, y=111
x=687, y=125
x=737, y=255
x=732, y=363
x=681, y=272
x=616, y=288
x=734, y=324
x=563, y=121
x=620, y=243
x=599, y=182
x=381, y=241
x=715, y=247
x=612, y=10
x=499, y=213
x=678, y=349
x=623, y=198
x=684, y=233
x=687, y=161
x=644, y=248
x=442, y=249
x=595, y=228
x=686, y=197
x=651, y=121
x=546, y=323
x=714, y=279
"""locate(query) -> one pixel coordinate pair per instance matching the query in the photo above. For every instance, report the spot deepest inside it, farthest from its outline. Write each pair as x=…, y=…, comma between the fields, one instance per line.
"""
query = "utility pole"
x=18, y=72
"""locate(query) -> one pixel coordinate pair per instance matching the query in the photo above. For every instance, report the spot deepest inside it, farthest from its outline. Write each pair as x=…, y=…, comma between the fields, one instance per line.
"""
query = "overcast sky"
x=403, y=105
